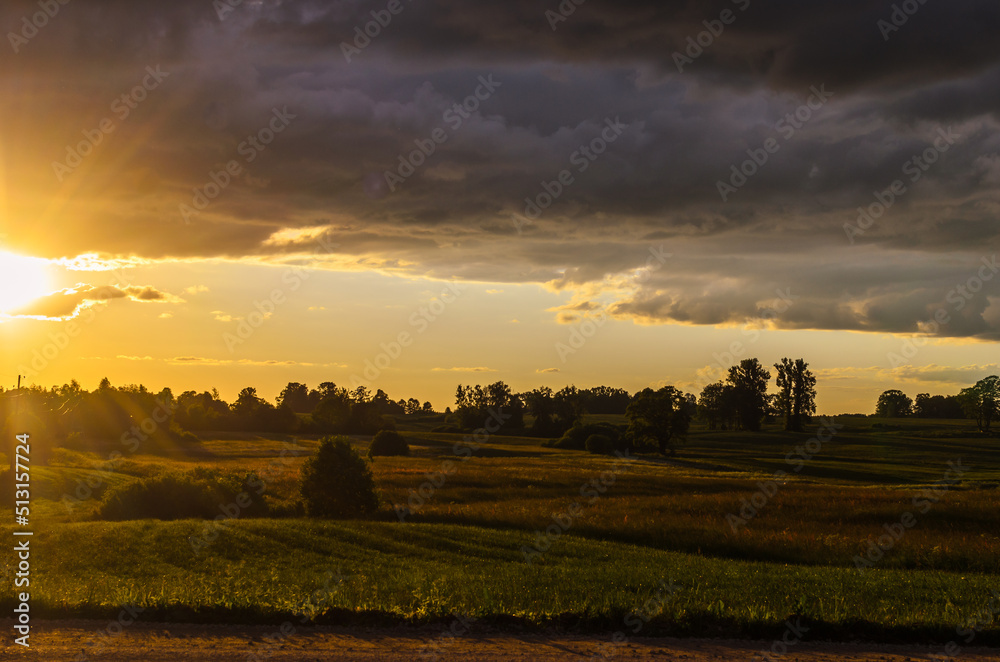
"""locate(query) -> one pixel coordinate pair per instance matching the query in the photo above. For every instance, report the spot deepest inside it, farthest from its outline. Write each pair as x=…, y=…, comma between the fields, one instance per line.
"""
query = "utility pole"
x=19, y=394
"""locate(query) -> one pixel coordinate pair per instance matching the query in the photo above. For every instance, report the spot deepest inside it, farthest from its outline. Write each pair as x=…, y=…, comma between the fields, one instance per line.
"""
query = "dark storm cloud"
x=204, y=135
x=786, y=43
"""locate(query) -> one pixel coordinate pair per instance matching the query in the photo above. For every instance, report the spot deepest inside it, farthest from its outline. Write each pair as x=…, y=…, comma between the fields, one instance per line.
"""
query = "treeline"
x=553, y=412
x=69, y=415
x=656, y=419
x=323, y=410
x=980, y=402
x=73, y=417
x=742, y=402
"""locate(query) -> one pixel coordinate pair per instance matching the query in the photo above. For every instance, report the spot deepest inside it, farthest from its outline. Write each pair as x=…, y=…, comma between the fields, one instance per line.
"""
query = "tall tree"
x=659, y=417
x=568, y=403
x=247, y=403
x=541, y=406
x=333, y=411
x=605, y=400
x=926, y=405
x=982, y=401
x=475, y=405
x=296, y=397
x=749, y=381
x=893, y=404
x=796, y=399
x=715, y=405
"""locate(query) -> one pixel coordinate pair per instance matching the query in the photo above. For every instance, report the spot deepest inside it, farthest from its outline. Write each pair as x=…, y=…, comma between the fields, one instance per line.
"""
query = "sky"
x=409, y=195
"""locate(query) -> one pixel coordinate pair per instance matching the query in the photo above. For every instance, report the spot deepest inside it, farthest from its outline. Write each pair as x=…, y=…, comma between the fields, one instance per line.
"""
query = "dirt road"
x=59, y=641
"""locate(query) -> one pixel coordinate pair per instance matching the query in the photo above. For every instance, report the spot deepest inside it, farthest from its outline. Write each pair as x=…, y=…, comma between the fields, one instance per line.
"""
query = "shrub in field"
x=600, y=444
x=388, y=443
x=576, y=437
x=200, y=494
x=167, y=496
x=337, y=482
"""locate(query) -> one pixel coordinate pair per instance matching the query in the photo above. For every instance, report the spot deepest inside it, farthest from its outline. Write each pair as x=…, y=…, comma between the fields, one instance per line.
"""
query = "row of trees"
x=657, y=417
x=326, y=409
x=107, y=412
x=980, y=402
x=553, y=412
x=74, y=417
x=742, y=401
x=131, y=415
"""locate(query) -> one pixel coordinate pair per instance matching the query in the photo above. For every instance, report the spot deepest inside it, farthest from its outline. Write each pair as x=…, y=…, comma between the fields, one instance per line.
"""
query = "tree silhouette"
x=337, y=482
x=982, y=401
x=246, y=402
x=475, y=404
x=658, y=417
x=893, y=404
x=796, y=399
x=926, y=405
x=749, y=380
x=296, y=397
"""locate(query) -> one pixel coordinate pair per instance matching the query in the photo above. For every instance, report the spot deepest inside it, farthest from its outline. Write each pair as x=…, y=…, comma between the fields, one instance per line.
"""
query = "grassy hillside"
x=265, y=570
x=474, y=511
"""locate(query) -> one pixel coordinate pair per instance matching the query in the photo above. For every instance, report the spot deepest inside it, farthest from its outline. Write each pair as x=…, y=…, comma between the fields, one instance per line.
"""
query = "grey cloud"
x=655, y=184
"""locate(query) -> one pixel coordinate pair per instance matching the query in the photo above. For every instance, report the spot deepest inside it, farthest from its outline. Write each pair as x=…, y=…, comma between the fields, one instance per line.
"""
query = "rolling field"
x=517, y=534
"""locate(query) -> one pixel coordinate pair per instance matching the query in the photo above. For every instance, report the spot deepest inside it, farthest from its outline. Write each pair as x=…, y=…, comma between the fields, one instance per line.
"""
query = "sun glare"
x=22, y=280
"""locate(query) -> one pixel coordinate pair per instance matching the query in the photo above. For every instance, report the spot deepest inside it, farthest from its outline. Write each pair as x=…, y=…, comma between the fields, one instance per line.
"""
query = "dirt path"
x=62, y=641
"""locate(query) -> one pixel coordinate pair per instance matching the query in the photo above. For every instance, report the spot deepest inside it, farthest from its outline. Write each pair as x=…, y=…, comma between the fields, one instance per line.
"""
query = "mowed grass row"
x=801, y=523
x=264, y=570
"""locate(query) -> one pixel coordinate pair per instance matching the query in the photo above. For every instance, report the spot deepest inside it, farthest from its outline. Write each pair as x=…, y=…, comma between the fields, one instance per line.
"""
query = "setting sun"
x=22, y=280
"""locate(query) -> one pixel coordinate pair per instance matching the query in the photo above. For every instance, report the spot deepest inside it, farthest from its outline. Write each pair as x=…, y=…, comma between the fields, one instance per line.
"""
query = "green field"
x=659, y=523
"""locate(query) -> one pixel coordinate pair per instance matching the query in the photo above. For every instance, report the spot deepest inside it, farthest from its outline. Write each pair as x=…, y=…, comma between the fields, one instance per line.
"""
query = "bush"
x=600, y=444
x=576, y=437
x=337, y=482
x=388, y=443
x=200, y=494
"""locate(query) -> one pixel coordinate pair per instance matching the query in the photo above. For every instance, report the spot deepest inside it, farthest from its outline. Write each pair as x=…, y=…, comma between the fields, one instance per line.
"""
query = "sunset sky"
x=198, y=194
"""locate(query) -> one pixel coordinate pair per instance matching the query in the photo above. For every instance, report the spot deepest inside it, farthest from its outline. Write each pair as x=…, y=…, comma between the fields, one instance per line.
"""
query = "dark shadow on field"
x=856, y=475
x=844, y=469
x=687, y=463
x=366, y=624
x=151, y=446
x=717, y=544
x=501, y=452
x=416, y=443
